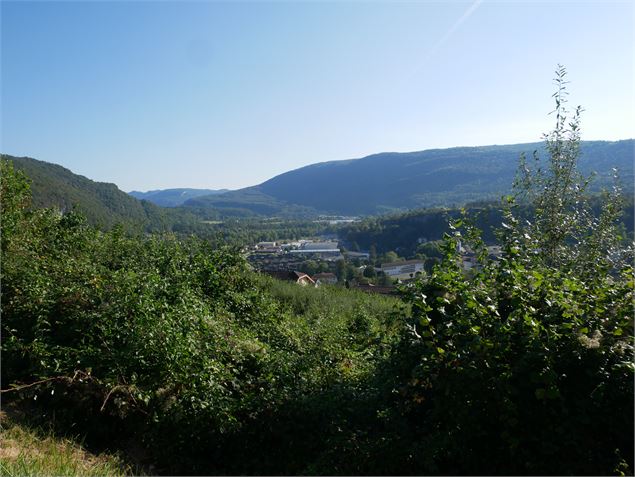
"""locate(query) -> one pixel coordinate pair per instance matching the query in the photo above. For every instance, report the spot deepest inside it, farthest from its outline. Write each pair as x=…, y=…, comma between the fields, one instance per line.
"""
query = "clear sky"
x=156, y=94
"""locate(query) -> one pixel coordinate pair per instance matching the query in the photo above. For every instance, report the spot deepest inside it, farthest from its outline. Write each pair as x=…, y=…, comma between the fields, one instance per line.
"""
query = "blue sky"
x=225, y=95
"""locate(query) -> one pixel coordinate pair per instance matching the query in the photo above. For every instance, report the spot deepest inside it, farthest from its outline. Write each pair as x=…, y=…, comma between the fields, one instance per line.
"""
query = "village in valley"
x=326, y=261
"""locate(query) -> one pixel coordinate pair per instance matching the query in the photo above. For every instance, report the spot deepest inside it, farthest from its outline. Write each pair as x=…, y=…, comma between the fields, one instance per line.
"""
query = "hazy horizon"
x=157, y=95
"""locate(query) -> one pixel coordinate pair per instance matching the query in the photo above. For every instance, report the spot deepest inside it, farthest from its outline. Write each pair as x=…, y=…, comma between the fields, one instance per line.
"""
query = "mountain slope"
x=102, y=203
x=391, y=181
x=173, y=197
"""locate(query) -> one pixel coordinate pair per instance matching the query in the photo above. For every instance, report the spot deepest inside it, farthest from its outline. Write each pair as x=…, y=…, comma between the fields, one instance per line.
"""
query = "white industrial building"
x=403, y=270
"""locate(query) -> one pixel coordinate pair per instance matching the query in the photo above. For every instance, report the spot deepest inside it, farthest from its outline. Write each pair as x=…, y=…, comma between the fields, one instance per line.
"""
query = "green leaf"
x=552, y=393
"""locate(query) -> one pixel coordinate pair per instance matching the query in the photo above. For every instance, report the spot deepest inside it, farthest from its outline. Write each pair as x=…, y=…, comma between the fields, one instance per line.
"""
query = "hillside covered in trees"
x=388, y=182
x=408, y=232
x=103, y=204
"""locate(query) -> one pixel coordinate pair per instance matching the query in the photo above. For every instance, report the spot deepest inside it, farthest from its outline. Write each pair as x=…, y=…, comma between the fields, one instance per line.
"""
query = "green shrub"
x=174, y=342
x=525, y=366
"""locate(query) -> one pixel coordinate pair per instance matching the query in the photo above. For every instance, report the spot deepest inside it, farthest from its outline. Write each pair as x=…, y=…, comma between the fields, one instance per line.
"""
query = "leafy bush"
x=525, y=366
x=174, y=341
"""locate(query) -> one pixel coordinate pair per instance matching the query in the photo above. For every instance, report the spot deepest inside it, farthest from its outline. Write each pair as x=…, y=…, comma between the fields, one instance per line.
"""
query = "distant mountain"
x=173, y=197
x=103, y=204
x=397, y=181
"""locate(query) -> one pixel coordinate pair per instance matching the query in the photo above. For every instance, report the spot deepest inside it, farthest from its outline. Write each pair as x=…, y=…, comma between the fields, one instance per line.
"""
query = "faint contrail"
x=471, y=9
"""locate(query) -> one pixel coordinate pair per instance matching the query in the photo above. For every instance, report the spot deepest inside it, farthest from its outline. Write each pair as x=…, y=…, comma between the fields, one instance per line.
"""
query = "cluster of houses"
x=328, y=249
x=283, y=260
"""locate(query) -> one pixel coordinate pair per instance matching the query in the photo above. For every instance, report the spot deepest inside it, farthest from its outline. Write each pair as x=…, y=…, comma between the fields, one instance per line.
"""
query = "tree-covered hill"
x=173, y=197
x=391, y=181
x=407, y=232
x=377, y=184
x=250, y=202
x=103, y=204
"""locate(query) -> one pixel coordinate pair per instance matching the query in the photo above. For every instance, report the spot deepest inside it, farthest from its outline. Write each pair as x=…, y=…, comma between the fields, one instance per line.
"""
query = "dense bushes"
x=522, y=369
x=526, y=365
x=175, y=342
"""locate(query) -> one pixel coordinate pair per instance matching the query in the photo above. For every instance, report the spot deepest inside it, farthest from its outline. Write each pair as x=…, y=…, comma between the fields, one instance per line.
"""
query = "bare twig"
x=47, y=380
x=103, y=406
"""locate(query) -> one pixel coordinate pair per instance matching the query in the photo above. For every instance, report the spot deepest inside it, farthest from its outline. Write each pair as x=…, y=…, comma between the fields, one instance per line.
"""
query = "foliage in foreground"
x=177, y=343
x=523, y=366
x=526, y=365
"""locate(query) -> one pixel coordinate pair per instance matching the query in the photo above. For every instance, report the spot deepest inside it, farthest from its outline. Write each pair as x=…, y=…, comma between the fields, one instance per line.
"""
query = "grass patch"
x=30, y=452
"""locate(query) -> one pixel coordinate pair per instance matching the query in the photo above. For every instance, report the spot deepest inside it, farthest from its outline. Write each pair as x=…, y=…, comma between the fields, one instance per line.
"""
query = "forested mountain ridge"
x=375, y=184
x=105, y=205
x=173, y=197
x=102, y=203
x=397, y=181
